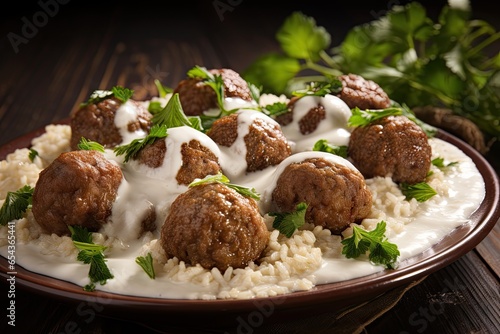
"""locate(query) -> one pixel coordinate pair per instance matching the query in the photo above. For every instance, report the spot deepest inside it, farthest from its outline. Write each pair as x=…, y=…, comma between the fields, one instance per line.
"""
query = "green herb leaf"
x=319, y=88
x=32, y=154
x=162, y=90
x=301, y=38
x=288, y=222
x=92, y=254
x=132, y=149
x=275, y=109
x=439, y=162
x=16, y=203
x=154, y=107
x=173, y=115
x=420, y=191
x=122, y=94
x=146, y=263
x=222, y=179
x=322, y=145
x=89, y=145
x=364, y=117
x=380, y=250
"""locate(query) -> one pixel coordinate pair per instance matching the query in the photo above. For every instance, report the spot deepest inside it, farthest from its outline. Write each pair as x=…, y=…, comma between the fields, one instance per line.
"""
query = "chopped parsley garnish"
x=275, y=109
x=439, y=162
x=380, y=250
x=364, y=117
x=162, y=90
x=213, y=80
x=319, y=88
x=16, y=203
x=32, y=154
x=154, y=107
x=132, y=149
x=89, y=145
x=322, y=145
x=222, y=179
x=121, y=93
x=420, y=191
x=288, y=222
x=173, y=115
x=90, y=253
x=146, y=263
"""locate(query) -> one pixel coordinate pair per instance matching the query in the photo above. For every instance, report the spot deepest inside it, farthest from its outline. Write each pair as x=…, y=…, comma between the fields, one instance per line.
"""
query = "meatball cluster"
x=392, y=146
x=335, y=192
x=214, y=226
x=77, y=188
x=97, y=122
x=197, y=97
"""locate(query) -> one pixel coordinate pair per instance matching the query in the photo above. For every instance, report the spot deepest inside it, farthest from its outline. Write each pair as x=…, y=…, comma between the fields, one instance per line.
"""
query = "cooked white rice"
x=287, y=265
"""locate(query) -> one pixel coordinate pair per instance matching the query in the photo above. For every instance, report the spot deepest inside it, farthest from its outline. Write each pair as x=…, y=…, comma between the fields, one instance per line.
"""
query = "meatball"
x=265, y=143
x=77, y=188
x=307, y=123
x=335, y=192
x=364, y=94
x=214, y=226
x=392, y=146
x=98, y=122
x=197, y=97
x=196, y=160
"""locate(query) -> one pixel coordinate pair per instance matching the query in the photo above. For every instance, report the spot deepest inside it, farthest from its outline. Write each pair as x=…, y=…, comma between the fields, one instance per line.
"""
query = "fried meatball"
x=264, y=142
x=214, y=226
x=107, y=121
x=364, y=94
x=392, y=146
x=335, y=192
x=197, y=97
x=77, y=188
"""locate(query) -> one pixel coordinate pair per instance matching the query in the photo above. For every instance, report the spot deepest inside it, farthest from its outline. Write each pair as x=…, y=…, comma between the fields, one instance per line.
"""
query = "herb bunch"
x=414, y=59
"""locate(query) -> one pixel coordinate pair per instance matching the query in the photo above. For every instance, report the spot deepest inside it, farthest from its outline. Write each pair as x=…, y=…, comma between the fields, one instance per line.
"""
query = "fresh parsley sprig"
x=322, y=145
x=288, y=222
x=32, y=154
x=133, y=148
x=146, y=263
x=121, y=93
x=439, y=163
x=421, y=191
x=222, y=179
x=381, y=251
x=320, y=88
x=163, y=91
x=173, y=115
x=275, y=109
x=16, y=203
x=89, y=145
x=364, y=117
x=92, y=254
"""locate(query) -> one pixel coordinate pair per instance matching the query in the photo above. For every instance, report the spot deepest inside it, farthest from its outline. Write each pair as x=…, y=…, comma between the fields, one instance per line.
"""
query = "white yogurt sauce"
x=126, y=114
x=144, y=187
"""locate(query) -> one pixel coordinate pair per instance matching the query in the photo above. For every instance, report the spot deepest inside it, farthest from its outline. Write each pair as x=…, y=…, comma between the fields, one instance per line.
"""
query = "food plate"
x=327, y=297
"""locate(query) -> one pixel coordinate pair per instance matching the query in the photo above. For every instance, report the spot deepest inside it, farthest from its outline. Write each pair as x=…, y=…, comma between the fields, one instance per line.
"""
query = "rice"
x=287, y=264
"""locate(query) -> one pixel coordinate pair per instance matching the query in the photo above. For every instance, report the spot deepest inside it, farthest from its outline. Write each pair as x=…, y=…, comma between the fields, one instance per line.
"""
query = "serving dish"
x=327, y=297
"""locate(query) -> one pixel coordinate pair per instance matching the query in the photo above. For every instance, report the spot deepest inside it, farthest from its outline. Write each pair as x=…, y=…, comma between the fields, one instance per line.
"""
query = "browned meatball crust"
x=198, y=161
x=364, y=94
x=336, y=195
x=77, y=188
x=96, y=122
x=197, y=97
x=308, y=123
x=265, y=142
x=214, y=226
x=392, y=146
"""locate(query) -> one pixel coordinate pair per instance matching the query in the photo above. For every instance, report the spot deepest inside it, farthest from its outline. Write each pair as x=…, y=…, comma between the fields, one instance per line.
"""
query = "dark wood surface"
x=78, y=47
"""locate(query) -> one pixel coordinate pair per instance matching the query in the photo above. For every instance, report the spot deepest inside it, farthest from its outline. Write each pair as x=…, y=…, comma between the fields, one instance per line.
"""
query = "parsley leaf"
x=121, y=93
x=380, y=250
x=439, y=162
x=275, y=109
x=32, y=154
x=89, y=145
x=322, y=145
x=420, y=191
x=319, y=88
x=288, y=222
x=364, y=117
x=173, y=115
x=222, y=179
x=162, y=90
x=16, y=203
x=90, y=253
x=132, y=149
x=146, y=263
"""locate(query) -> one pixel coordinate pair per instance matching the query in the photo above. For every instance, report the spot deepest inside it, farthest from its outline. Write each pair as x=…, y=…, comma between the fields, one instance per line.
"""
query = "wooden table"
x=53, y=56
